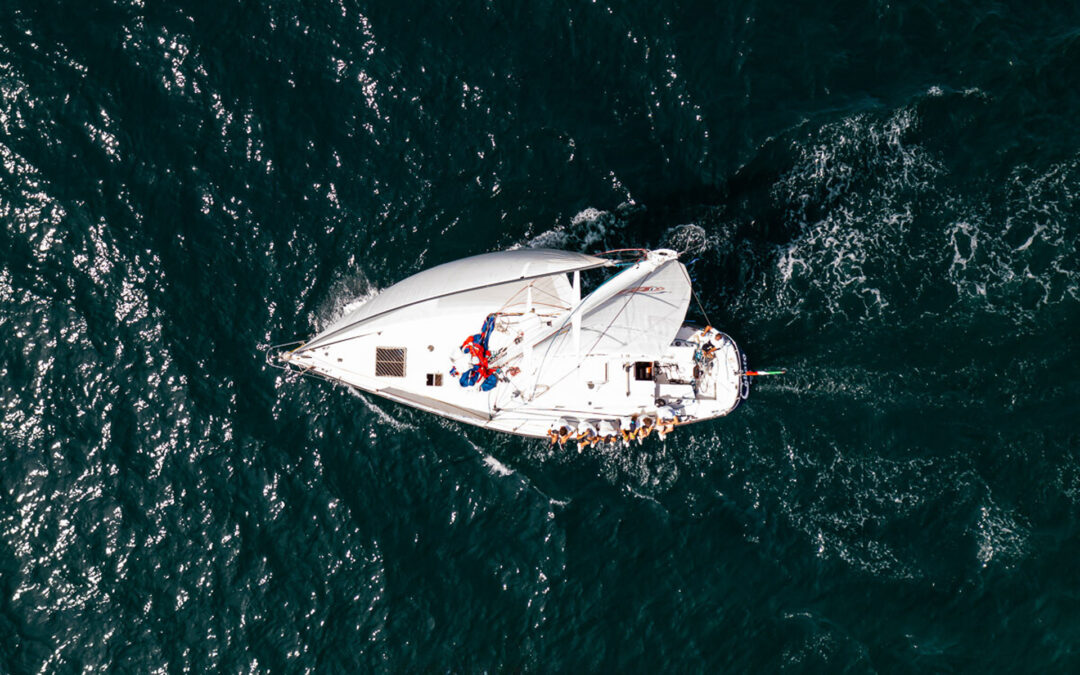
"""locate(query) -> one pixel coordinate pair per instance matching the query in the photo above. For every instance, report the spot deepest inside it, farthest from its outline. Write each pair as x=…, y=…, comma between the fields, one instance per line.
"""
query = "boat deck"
x=593, y=389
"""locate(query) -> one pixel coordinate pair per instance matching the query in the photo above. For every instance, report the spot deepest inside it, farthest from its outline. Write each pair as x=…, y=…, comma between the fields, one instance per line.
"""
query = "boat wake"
x=589, y=231
x=692, y=240
x=395, y=423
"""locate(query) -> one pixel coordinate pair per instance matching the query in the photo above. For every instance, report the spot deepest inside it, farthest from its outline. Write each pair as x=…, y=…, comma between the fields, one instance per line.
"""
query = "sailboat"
x=505, y=341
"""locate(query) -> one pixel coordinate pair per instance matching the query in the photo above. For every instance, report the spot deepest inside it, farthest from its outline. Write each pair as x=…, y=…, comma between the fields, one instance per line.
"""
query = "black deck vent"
x=390, y=362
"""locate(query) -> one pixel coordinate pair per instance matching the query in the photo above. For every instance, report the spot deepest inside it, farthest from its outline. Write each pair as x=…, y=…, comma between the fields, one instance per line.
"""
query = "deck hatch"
x=390, y=362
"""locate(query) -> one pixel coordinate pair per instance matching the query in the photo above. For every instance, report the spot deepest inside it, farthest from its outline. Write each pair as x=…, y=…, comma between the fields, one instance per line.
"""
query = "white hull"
x=558, y=364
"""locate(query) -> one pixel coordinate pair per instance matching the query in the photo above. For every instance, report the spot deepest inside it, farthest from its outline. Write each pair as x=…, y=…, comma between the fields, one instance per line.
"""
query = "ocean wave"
x=1018, y=259
x=587, y=230
x=852, y=196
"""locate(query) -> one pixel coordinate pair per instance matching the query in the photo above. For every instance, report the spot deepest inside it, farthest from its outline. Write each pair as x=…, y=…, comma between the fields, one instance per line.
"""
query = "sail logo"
x=642, y=289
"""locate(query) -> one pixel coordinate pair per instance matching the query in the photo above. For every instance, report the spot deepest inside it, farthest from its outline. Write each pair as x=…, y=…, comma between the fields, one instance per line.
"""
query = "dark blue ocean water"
x=882, y=197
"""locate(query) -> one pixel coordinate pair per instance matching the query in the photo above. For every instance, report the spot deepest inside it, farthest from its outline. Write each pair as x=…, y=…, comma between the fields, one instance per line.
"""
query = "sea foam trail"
x=857, y=195
x=852, y=195
x=589, y=230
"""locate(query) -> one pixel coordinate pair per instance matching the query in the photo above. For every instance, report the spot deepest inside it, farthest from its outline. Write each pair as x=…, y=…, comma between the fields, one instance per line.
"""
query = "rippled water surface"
x=882, y=197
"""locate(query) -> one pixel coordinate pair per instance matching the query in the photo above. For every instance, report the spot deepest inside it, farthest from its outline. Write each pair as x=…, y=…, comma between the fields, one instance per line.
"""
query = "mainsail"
x=489, y=279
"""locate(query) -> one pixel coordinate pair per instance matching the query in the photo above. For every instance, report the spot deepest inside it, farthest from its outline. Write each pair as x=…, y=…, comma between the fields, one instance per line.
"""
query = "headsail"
x=635, y=314
x=481, y=279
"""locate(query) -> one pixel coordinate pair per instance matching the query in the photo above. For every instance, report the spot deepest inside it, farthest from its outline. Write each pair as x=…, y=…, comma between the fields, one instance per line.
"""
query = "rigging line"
x=545, y=292
x=305, y=348
x=566, y=324
x=267, y=348
x=696, y=298
x=510, y=301
x=504, y=398
x=532, y=284
x=599, y=337
x=562, y=307
x=626, y=304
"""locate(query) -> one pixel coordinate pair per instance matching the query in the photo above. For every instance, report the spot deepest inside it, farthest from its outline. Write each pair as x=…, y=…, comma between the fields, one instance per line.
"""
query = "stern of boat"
x=719, y=368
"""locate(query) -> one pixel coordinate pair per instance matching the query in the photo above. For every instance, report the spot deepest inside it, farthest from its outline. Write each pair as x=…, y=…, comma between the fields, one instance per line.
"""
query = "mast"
x=526, y=346
x=575, y=317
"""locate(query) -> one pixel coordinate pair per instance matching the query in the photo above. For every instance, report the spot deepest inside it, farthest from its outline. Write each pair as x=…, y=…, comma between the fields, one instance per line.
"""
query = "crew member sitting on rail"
x=564, y=434
x=667, y=419
x=586, y=435
x=626, y=430
x=606, y=432
x=561, y=431
x=646, y=429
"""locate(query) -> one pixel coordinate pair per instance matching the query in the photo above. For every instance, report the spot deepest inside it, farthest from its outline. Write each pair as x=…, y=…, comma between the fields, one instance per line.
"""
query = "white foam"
x=1021, y=263
x=497, y=467
x=1000, y=535
x=689, y=240
x=346, y=297
x=851, y=195
x=396, y=424
x=588, y=229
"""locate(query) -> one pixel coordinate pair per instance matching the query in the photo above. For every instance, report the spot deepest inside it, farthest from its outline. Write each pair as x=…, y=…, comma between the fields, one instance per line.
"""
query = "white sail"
x=636, y=313
x=486, y=281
